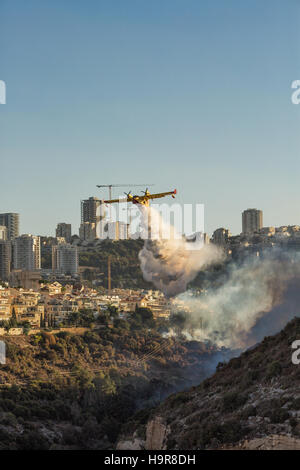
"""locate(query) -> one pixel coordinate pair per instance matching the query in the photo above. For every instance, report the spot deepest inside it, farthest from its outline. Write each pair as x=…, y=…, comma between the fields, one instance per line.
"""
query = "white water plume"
x=167, y=259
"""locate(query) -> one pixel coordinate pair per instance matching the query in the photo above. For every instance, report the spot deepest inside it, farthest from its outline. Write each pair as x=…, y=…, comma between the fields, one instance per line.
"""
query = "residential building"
x=52, y=289
x=32, y=315
x=25, y=279
x=90, y=210
x=252, y=220
x=27, y=307
x=5, y=304
x=27, y=252
x=93, y=212
x=26, y=298
x=11, y=221
x=5, y=260
x=57, y=311
x=64, y=230
x=267, y=231
x=87, y=231
x=221, y=236
x=65, y=259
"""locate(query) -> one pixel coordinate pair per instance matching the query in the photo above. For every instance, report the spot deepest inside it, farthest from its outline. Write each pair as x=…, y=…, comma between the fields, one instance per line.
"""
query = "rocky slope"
x=253, y=401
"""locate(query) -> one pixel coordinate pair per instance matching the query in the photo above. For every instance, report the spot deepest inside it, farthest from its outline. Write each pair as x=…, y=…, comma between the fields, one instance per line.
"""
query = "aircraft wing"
x=158, y=195
x=112, y=201
x=140, y=199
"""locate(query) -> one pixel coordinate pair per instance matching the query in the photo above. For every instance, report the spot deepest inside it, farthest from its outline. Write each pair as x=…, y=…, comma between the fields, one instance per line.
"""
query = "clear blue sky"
x=186, y=94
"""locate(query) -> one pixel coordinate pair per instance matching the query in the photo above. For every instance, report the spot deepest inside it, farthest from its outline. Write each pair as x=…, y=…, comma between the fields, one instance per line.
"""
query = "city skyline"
x=197, y=97
x=66, y=230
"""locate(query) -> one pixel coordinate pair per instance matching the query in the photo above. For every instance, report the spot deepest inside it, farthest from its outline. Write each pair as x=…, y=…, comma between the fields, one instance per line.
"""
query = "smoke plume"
x=256, y=299
x=167, y=259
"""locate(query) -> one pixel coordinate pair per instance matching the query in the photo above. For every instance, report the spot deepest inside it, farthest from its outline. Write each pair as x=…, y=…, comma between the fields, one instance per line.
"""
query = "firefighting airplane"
x=144, y=200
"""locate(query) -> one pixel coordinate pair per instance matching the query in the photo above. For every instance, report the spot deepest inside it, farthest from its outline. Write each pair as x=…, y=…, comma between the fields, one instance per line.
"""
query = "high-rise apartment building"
x=11, y=221
x=5, y=259
x=93, y=213
x=90, y=210
x=221, y=236
x=252, y=220
x=65, y=259
x=64, y=230
x=87, y=231
x=27, y=252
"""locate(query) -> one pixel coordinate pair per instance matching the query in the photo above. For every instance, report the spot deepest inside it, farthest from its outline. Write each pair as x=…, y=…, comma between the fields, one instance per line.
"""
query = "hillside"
x=71, y=391
x=125, y=264
x=254, y=398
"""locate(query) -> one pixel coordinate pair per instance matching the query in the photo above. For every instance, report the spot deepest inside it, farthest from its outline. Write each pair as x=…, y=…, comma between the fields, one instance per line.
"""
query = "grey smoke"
x=257, y=299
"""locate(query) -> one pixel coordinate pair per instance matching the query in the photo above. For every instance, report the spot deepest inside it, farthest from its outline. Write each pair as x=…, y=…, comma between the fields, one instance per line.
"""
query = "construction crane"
x=110, y=186
x=109, y=275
